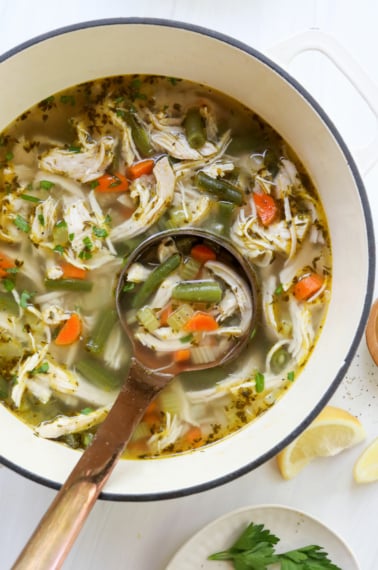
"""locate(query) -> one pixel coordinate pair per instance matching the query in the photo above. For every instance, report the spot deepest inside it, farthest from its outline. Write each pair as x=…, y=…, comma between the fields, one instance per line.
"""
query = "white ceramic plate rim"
x=281, y=520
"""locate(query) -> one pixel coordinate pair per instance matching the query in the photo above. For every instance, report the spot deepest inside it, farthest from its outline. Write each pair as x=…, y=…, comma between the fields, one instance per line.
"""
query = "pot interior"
x=92, y=51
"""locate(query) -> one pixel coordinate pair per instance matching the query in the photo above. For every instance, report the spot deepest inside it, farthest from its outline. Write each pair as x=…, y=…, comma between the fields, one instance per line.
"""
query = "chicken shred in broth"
x=85, y=176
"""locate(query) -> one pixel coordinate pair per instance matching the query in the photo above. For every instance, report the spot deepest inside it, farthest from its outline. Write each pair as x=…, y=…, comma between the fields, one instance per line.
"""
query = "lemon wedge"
x=332, y=431
x=366, y=466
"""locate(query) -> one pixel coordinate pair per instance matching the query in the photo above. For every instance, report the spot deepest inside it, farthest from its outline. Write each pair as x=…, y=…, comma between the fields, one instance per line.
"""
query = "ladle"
x=54, y=536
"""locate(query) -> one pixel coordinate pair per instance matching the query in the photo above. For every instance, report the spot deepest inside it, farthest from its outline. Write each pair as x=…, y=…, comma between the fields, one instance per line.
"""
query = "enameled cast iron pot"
x=93, y=50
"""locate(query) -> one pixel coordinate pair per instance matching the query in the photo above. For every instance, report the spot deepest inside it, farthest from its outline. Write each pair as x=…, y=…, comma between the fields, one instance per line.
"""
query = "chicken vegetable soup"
x=89, y=173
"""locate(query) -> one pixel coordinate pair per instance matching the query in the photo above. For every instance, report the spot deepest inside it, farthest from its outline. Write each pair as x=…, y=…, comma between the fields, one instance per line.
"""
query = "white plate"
x=294, y=528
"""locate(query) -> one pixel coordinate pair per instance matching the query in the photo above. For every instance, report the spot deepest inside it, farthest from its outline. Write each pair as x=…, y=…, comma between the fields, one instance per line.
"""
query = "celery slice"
x=178, y=319
x=148, y=319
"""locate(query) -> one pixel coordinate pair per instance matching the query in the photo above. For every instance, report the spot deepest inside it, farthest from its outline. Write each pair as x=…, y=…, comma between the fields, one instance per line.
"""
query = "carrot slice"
x=112, y=183
x=5, y=263
x=307, y=286
x=164, y=314
x=72, y=272
x=70, y=331
x=181, y=355
x=266, y=208
x=193, y=436
x=139, y=168
x=203, y=253
x=201, y=322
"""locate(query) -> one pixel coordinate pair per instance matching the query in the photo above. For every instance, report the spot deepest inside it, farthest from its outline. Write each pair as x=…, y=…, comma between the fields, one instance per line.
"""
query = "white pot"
x=82, y=53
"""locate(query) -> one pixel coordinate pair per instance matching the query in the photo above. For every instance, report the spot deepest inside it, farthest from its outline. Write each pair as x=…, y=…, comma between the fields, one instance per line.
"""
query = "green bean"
x=68, y=285
x=8, y=304
x=225, y=212
x=203, y=291
x=279, y=360
x=221, y=188
x=250, y=142
x=102, y=329
x=194, y=130
x=139, y=134
x=97, y=374
x=155, y=278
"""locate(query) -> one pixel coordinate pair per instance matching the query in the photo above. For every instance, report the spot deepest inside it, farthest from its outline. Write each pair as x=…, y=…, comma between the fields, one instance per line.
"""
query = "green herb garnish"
x=9, y=156
x=8, y=284
x=59, y=249
x=128, y=287
x=30, y=198
x=25, y=298
x=46, y=184
x=41, y=219
x=290, y=376
x=43, y=369
x=100, y=232
x=259, y=382
x=255, y=550
x=21, y=224
x=86, y=411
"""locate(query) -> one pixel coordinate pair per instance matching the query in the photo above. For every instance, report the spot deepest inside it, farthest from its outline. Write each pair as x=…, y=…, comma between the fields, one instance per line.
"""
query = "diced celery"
x=189, y=268
x=141, y=431
x=180, y=317
x=170, y=402
x=204, y=354
x=148, y=319
x=177, y=218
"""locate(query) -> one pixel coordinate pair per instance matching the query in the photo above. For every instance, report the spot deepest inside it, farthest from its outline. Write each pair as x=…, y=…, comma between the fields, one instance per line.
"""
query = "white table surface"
x=144, y=536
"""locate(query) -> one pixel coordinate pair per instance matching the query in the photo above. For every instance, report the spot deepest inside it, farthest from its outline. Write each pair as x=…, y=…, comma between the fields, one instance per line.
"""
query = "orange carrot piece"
x=72, y=272
x=70, y=331
x=152, y=407
x=203, y=253
x=164, y=314
x=193, y=436
x=139, y=168
x=182, y=355
x=266, y=208
x=307, y=286
x=112, y=183
x=152, y=419
x=5, y=263
x=201, y=322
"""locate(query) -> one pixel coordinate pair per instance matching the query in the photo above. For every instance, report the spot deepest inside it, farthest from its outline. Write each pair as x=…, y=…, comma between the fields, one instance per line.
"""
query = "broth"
x=85, y=176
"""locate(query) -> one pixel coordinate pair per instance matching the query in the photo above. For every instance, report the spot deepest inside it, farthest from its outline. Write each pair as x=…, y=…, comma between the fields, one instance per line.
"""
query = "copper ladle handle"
x=56, y=533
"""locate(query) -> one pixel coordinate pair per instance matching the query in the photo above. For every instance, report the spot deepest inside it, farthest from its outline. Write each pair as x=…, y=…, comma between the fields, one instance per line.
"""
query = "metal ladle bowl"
x=56, y=533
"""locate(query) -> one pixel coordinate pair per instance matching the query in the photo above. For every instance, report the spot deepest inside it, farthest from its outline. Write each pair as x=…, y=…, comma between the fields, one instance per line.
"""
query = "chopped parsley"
x=68, y=100
x=25, y=298
x=8, y=284
x=86, y=411
x=259, y=382
x=290, y=376
x=100, y=232
x=46, y=184
x=21, y=224
x=43, y=369
x=41, y=219
x=59, y=249
x=30, y=198
x=93, y=184
x=279, y=289
x=9, y=156
x=128, y=287
x=61, y=224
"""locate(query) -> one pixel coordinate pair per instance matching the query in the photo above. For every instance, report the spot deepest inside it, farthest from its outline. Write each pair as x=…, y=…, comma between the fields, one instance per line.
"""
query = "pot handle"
x=315, y=40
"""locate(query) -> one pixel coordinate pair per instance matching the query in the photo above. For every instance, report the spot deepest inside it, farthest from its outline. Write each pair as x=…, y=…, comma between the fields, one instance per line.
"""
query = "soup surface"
x=85, y=176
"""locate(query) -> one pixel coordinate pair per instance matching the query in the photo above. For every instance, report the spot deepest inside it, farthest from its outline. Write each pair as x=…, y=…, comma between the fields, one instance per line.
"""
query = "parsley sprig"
x=254, y=550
